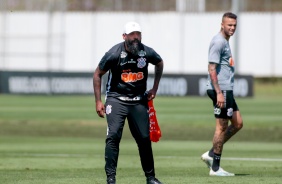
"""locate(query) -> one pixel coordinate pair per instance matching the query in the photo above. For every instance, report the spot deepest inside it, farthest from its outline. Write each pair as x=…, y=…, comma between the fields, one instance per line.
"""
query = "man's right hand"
x=100, y=109
x=220, y=100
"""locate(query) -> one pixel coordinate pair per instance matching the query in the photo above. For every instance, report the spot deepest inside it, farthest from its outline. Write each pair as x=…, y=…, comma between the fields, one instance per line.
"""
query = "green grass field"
x=60, y=139
x=64, y=160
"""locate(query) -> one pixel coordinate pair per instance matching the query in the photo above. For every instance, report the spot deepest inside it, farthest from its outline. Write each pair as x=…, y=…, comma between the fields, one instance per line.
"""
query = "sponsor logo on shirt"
x=121, y=64
x=131, y=61
x=132, y=77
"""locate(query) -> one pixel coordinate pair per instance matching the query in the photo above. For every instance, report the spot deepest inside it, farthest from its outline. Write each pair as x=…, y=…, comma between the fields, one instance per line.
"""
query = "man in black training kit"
x=126, y=97
x=220, y=84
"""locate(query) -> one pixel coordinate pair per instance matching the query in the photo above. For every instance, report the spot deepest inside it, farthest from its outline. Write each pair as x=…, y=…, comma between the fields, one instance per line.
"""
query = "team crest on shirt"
x=123, y=54
x=108, y=109
x=141, y=53
x=230, y=112
x=141, y=62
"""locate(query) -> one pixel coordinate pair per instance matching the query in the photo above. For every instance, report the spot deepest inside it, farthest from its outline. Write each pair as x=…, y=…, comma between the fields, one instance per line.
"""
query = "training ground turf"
x=60, y=140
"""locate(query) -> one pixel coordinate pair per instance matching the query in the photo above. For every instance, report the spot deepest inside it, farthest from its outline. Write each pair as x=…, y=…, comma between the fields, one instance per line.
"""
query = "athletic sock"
x=216, y=162
x=211, y=152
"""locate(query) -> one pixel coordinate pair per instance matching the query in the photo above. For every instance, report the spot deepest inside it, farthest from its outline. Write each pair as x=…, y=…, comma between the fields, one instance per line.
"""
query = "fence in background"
x=75, y=42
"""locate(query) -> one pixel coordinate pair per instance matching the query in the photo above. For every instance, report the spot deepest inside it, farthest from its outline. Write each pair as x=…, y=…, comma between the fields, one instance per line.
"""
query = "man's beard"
x=133, y=47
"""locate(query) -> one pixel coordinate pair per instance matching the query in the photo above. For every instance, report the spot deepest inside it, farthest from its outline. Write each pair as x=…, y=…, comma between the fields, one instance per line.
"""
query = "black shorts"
x=229, y=104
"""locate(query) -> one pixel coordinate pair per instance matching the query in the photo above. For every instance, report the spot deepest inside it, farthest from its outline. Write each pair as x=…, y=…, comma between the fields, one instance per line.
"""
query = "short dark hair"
x=229, y=15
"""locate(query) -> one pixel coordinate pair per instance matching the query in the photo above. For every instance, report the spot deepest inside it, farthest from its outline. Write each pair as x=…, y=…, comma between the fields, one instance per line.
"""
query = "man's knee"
x=113, y=138
x=239, y=125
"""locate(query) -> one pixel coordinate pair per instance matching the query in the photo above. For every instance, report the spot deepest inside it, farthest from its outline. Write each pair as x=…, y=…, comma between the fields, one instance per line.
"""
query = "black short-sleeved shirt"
x=127, y=72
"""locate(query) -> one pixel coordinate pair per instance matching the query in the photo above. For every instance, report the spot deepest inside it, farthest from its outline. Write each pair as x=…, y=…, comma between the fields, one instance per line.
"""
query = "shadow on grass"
x=242, y=174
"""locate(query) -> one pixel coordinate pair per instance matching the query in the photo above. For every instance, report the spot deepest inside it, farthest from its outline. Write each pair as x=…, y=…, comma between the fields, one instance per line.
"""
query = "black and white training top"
x=127, y=72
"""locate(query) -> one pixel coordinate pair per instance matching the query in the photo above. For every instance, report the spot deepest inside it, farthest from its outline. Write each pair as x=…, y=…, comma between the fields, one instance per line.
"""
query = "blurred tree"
x=137, y=5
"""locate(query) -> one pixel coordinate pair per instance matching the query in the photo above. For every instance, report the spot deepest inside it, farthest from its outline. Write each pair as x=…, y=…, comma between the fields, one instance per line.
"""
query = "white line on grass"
x=239, y=159
x=255, y=159
x=170, y=157
x=47, y=155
